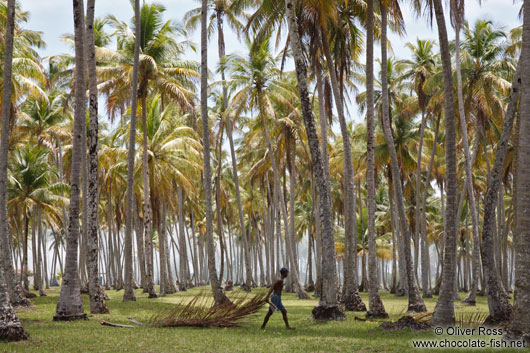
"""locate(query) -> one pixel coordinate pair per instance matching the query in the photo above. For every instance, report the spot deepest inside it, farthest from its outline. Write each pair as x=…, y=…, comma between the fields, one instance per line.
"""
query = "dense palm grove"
x=398, y=174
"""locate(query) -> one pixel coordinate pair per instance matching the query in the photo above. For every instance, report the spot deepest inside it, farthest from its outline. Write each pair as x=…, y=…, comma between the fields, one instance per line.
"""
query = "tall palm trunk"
x=520, y=320
x=291, y=158
x=351, y=298
x=219, y=297
x=183, y=253
x=420, y=213
x=425, y=261
x=444, y=311
x=376, y=307
x=463, y=128
x=498, y=302
x=327, y=308
x=325, y=164
x=38, y=240
x=128, y=294
x=148, y=222
x=97, y=302
x=10, y=327
x=416, y=303
x=15, y=293
x=139, y=232
x=283, y=209
x=70, y=304
x=163, y=250
x=229, y=133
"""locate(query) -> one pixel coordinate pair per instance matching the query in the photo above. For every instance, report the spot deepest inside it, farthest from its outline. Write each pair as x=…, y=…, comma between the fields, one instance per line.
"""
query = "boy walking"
x=276, y=300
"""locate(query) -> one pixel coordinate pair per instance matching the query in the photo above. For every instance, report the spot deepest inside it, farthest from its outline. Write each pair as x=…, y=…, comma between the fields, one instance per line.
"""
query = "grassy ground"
x=309, y=336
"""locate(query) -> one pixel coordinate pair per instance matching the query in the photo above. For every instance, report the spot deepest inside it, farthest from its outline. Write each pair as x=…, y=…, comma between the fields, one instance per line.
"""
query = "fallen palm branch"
x=199, y=312
x=106, y=323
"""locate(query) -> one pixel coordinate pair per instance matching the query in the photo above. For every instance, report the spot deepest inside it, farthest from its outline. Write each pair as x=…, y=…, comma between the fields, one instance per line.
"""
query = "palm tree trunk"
x=15, y=294
x=288, y=227
x=163, y=252
x=416, y=303
x=325, y=164
x=183, y=253
x=97, y=302
x=219, y=297
x=351, y=297
x=70, y=304
x=520, y=320
x=444, y=311
x=377, y=309
x=128, y=294
x=139, y=232
x=419, y=214
x=499, y=306
x=220, y=232
x=327, y=308
x=10, y=327
x=40, y=269
x=36, y=270
x=425, y=261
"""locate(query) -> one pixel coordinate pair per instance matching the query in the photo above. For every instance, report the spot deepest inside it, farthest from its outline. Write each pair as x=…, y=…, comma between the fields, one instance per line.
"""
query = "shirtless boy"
x=276, y=300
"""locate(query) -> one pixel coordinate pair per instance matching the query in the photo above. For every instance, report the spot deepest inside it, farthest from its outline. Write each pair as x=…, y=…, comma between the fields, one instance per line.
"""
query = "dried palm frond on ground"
x=199, y=312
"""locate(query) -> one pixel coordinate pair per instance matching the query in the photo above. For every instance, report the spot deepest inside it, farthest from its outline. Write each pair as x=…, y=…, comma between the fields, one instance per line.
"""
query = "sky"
x=55, y=17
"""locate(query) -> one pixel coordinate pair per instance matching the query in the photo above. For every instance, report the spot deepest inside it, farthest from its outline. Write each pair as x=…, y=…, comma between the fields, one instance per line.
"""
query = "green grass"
x=309, y=336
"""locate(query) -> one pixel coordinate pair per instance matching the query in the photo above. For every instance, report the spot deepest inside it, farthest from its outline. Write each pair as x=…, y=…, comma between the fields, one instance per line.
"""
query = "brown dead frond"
x=199, y=312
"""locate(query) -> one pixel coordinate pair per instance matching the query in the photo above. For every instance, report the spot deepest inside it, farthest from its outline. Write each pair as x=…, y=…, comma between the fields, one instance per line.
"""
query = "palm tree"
x=352, y=299
x=8, y=317
x=219, y=297
x=419, y=69
x=327, y=308
x=70, y=304
x=128, y=294
x=97, y=302
x=25, y=75
x=230, y=10
x=259, y=86
x=416, y=303
x=444, y=311
x=484, y=73
x=520, y=320
x=174, y=154
x=173, y=78
x=377, y=308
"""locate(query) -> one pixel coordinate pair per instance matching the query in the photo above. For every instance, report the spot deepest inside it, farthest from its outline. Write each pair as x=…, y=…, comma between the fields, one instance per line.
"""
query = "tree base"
x=468, y=302
x=301, y=294
x=417, y=308
x=353, y=302
x=97, y=303
x=376, y=314
x=13, y=332
x=516, y=335
x=72, y=317
x=405, y=322
x=28, y=294
x=328, y=313
x=495, y=321
x=426, y=295
x=400, y=292
x=21, y=302
x=310, y=287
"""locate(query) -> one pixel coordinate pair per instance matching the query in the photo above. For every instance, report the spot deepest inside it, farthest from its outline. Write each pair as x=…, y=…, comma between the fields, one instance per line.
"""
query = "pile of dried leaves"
x=199, y=313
